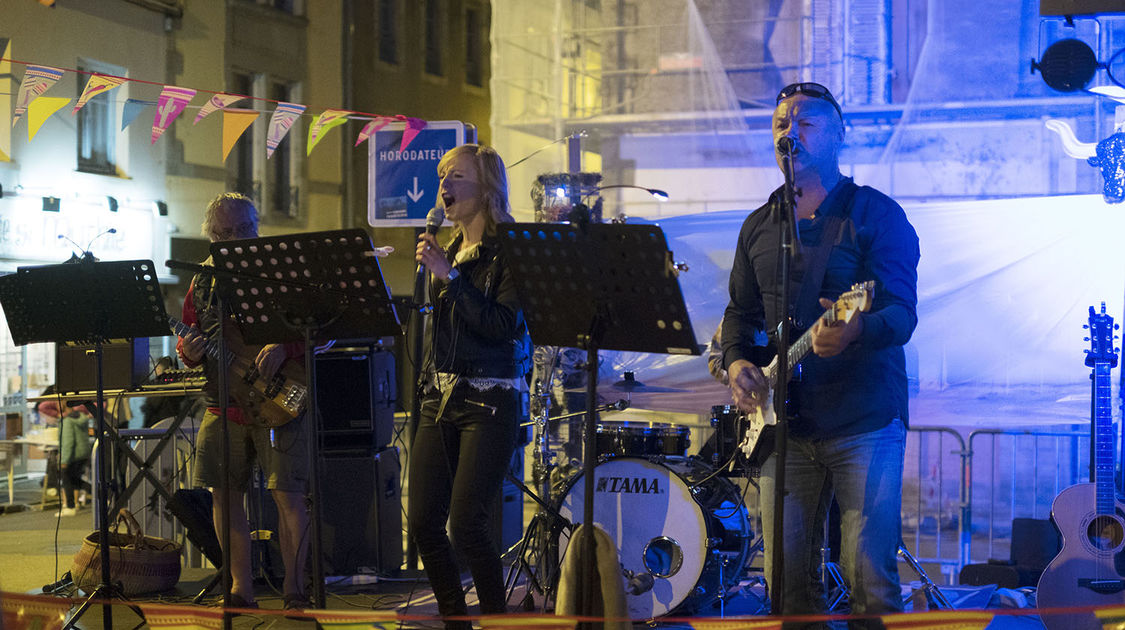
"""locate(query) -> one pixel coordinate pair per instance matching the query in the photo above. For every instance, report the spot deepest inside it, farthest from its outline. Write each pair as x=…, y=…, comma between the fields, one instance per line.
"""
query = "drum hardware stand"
x=934, y=596
x=121, y=300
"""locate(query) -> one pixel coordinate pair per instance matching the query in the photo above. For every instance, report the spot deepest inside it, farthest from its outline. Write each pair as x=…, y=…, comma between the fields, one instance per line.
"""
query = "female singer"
x=478, y=356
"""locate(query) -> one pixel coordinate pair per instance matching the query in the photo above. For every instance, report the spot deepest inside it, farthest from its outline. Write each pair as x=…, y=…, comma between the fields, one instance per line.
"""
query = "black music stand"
x=117, y=300
x=597, y=286
x=326, y=285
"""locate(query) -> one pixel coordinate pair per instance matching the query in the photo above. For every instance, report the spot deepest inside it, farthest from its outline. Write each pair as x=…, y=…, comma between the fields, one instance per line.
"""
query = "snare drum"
x=626, y=440
x=692, y=536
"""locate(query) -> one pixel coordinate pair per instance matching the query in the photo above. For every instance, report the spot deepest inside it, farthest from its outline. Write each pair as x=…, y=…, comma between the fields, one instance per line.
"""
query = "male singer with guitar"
x=847, y=403
x=280, y=451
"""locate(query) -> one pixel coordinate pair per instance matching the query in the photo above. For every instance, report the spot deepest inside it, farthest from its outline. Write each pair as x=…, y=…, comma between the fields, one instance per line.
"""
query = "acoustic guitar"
x=271, y=402
x=857, y=299
x=1090, y=568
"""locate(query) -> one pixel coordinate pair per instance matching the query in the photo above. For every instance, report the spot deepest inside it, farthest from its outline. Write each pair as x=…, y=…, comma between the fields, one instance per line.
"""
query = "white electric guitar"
x=858, y=299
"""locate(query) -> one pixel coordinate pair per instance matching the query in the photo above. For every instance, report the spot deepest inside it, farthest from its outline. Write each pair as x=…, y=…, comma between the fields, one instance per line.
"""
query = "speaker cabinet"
x=361, y=513
x=124, y=365
x=355, y=391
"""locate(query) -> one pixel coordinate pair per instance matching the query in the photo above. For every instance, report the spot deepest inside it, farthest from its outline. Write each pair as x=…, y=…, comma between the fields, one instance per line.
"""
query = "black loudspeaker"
x=361, y=513
x=124, y=365
x=355, y=389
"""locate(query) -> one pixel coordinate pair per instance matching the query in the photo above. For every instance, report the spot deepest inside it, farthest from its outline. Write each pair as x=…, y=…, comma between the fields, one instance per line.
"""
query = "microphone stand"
x=786, y=235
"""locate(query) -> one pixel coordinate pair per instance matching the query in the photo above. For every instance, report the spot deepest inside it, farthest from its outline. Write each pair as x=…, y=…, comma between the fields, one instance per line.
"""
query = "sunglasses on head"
x=814, y=90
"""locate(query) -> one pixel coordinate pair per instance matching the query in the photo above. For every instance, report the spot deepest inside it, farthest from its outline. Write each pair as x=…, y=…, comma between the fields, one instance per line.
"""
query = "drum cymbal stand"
x=533, y=553
x=934, y=597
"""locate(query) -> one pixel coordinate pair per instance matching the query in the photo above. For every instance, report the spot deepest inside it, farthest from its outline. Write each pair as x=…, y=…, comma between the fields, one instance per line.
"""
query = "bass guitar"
x=856, y=300
x=1090, y=568
x=272, y=402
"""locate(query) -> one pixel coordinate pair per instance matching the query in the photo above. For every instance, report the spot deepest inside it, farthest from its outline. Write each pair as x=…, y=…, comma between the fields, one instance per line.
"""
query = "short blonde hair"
x=493, y=180
x=231, y=202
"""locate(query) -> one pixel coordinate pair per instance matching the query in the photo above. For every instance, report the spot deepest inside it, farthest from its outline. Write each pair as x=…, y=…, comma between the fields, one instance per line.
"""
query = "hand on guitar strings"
x=195, y=345
x=269, y=360
x=829, y=340
x=748, y=385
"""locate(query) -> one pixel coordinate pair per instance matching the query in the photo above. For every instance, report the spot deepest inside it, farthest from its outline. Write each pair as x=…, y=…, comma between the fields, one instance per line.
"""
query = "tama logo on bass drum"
x=631, y=485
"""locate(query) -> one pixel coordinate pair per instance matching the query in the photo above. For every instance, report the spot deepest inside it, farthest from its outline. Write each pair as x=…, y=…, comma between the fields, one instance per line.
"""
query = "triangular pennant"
x=172, y=101
x=98, y=84
x=40, y=110
x=370, y=128
x=131, y=109
x=235, y=122
x=217, y=102
x=36, y=81
x=329, y=119
x=413, y=127
x=280, y=123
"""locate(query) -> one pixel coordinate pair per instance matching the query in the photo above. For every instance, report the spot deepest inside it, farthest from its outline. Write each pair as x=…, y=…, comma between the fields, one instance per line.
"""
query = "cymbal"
x=637, y=387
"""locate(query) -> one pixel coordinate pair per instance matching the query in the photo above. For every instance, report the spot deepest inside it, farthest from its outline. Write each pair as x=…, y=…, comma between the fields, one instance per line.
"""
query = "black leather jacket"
x=478, y=325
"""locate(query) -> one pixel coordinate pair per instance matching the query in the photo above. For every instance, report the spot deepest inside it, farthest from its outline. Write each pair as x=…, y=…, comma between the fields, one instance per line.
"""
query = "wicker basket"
x=138, y=563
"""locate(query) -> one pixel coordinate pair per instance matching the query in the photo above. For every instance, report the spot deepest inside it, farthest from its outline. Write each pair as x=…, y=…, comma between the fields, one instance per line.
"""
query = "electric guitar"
x=1090, y=568
x=271, y=402
x=858, y=299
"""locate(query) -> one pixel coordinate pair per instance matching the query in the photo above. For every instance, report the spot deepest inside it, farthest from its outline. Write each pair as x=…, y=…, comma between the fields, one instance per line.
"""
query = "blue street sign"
x=403, y=185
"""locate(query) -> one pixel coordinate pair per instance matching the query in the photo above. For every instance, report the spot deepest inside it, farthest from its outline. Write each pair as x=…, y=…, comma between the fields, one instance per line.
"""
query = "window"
x=387, y=30
x=474, y=46
x=240, y=162
x=281, y=193
x=433, y=37
x=97, y=122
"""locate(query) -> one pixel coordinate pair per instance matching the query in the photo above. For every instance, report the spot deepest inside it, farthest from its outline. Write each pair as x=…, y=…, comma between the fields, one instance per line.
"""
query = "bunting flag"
x=235, y=122
x=280, y=123
x=36, y=81
x=413, y=127
x=523, y=622
x=730, y=623
x=939, y=620
x=172, y=101
x=28, y=611
x=163, y=617
x=98, y=84
x=131, y=109
x=217, y=102
x=370, y=128
x=329, y=119
x=40, y=110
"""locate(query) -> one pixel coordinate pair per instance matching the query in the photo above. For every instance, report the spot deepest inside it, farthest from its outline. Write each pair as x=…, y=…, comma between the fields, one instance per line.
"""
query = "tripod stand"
x=121, y=300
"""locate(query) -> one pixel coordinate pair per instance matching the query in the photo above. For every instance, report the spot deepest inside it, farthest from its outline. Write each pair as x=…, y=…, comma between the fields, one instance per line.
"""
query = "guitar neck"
x=1103, y=439
x=212, y=347
x=802, y=347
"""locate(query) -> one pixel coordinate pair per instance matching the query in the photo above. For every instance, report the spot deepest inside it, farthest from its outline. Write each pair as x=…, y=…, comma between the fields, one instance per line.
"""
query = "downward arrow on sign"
x=415, y=194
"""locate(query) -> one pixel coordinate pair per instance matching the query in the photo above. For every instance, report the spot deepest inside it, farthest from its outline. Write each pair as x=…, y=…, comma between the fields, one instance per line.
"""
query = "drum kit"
x=679, y=523
x=681, y=529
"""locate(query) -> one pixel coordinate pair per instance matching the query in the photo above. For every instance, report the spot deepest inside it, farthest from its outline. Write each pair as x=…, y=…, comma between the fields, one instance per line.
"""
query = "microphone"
x=785, y=145
x=434, y=219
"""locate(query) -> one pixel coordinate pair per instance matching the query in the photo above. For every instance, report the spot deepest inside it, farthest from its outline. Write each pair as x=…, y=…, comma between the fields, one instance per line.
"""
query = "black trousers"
x=457, y=467
x=72, y=480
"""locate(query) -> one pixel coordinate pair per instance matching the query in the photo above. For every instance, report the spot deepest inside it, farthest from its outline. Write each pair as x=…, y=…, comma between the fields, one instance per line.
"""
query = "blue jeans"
x=864, y=472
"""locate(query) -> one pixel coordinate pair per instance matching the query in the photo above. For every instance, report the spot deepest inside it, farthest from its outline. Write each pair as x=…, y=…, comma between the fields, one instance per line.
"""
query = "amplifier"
x=355, y=391
x=125, y=365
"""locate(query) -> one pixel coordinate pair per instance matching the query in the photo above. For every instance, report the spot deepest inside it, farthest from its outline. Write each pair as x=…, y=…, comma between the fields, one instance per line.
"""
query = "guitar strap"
x=816, y=258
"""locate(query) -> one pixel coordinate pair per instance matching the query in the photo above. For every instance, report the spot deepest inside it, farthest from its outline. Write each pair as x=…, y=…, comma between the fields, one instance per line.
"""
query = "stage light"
x=111, y=203
x=51, y=204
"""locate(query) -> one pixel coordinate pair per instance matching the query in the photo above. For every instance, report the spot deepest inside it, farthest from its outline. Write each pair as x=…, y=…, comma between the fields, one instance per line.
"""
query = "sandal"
x=238, y=601
x=296, y=601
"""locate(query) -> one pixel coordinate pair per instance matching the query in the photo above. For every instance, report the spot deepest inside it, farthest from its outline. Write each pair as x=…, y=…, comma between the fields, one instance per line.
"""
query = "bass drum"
x=692, y=536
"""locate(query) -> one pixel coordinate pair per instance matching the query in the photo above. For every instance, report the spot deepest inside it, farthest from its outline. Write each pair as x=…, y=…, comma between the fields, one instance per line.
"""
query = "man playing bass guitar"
x=280, y=450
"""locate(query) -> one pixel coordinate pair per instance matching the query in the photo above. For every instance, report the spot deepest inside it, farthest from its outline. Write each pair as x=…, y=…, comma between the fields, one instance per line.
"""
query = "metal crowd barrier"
x=960, y=496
